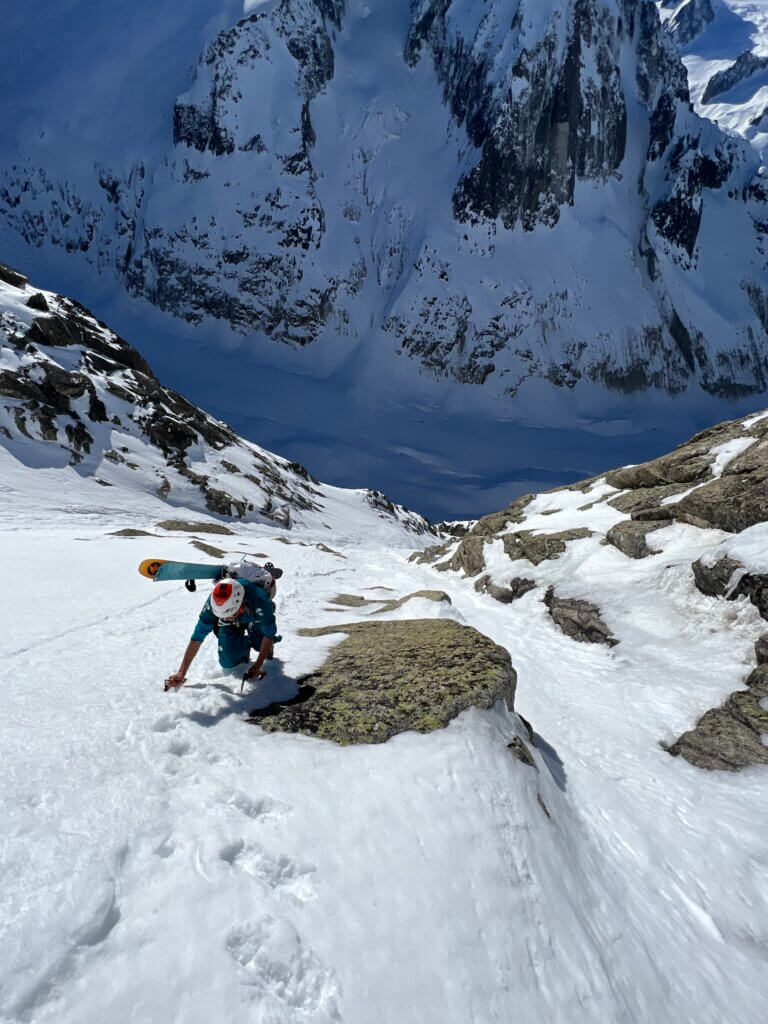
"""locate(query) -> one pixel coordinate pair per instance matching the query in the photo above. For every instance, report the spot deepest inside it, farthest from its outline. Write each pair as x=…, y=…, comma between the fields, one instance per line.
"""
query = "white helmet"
x=227, y=599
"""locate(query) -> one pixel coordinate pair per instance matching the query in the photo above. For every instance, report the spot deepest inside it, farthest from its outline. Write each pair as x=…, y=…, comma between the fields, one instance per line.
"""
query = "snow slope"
x=737, y=28
x=163, y=860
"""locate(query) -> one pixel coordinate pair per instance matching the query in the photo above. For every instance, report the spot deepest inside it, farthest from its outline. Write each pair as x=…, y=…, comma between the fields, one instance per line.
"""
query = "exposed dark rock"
x=646, y=498
x=516, y=588
x=438, y=596
x=521, y=752
x=208, y=549
x=38, y=302
x=732, y=502
x=630, y=536
x=729, y=737
x=715, y=581
x=761, y=649
x=467, y=557
x=385, y=678
x=744, y=66
x=690, y=21
x=540, y=547
x=578, y=619
x=543, y=806
x=11, y=276
x=182, y=526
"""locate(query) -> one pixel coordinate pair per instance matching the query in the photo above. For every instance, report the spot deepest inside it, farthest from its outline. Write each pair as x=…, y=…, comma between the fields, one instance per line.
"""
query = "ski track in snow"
x=161, y=860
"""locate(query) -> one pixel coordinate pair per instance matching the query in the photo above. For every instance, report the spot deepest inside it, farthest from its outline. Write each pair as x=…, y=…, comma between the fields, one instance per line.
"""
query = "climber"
x=242, y=616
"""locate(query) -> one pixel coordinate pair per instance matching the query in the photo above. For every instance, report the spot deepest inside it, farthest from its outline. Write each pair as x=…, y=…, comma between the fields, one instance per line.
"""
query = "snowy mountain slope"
x=465, y=188
x=72, y=393
x=724, y=47
x=166, y=861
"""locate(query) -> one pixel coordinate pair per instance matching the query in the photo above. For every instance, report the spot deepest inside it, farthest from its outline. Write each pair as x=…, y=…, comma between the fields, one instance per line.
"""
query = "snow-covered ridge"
x=724, y=46
x=465, y=186
x=72, y=393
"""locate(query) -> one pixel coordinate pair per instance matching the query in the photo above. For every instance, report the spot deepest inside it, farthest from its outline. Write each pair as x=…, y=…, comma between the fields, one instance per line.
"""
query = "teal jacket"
x=258, y=610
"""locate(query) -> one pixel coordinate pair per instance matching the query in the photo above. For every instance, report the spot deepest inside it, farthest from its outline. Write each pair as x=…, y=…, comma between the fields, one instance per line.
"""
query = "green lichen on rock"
x=540, y=547
x=351, y=600
x=438, y=596
x=385, y=678
x=208, y=549
x=181, y=526
x=728, y=738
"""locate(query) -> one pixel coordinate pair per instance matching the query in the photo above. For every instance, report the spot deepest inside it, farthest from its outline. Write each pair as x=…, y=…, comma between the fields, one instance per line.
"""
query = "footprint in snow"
x=285, y=974
x=256, y=808
x=282, y=873
x=165, y=723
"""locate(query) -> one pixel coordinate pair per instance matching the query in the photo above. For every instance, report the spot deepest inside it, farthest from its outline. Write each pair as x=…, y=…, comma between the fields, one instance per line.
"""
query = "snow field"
x=163, y=860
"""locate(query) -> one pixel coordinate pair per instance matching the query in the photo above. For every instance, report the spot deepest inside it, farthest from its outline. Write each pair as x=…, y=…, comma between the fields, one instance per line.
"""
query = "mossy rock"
x=630, y=537
x=181, y=526
x=728, y=738
x=540, y=547
x=208, y=549
x=438, y=596
x=385, y=678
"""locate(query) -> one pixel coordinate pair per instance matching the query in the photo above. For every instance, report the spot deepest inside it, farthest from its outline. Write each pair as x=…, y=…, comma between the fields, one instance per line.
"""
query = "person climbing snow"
x=241, y=614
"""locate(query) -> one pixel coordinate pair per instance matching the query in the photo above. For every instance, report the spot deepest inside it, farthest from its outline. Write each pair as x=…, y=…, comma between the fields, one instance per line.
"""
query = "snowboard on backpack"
x=162, y=569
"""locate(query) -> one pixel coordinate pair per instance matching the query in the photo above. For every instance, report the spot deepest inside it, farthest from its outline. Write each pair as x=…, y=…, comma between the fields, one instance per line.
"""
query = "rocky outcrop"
x=729, y=738
x=540, y=547
x=690, y=20
x=580, y=620
x=514, y=589
x=468, y=556
x=730, y=579
x=747, y=64
x=731, y=498
x=385, y=678
x=630, y=537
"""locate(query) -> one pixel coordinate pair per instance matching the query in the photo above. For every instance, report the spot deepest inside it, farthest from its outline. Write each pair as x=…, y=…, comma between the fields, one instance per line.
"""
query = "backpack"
x=262, y=575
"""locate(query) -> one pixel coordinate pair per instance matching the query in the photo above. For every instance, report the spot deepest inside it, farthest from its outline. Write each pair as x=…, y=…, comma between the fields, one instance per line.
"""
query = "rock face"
x=78, y=393
x=730, y=579
x=324, y=214
x=580, y=620
x=514, y=589
x=630, y=537
x=385, y=678
x=540, y=547
x=746, y=65
x=732, y=498
x=729, y=737
x=690, y=20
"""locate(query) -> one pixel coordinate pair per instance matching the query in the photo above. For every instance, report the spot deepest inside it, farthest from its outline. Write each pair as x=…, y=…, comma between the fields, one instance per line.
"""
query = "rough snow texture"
x=166, y=862
x=461, y=184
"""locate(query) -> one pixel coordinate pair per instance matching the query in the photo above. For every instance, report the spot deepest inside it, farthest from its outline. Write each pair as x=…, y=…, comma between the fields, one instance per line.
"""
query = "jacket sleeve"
x=204, y=624
x=266, y=619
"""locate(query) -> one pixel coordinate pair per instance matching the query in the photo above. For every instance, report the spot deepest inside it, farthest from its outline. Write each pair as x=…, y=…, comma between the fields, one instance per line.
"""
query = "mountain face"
x=73, y=392
x=509, y=193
